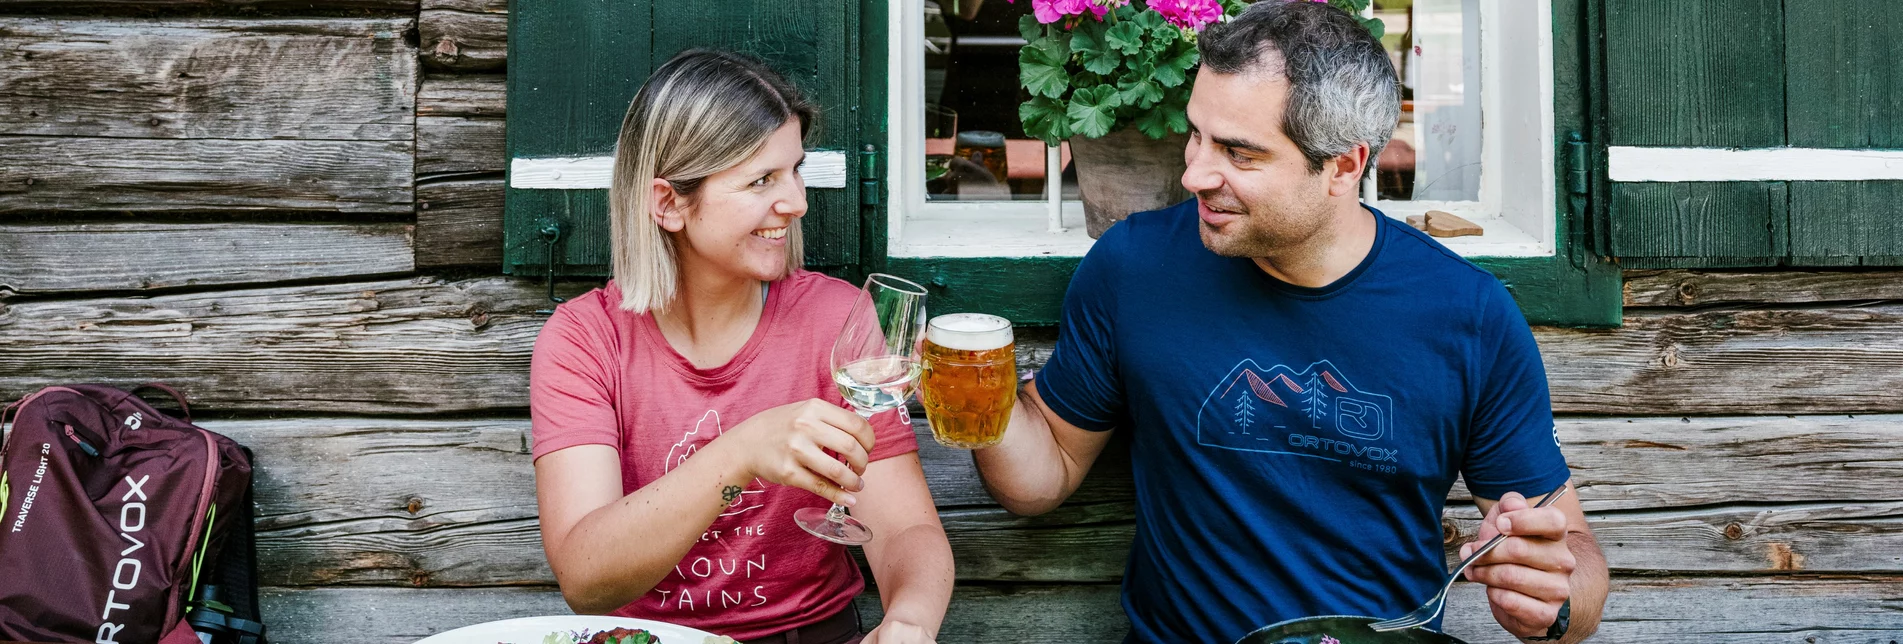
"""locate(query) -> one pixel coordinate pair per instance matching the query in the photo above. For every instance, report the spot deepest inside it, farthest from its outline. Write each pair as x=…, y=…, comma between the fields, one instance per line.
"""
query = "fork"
x=1432, y=609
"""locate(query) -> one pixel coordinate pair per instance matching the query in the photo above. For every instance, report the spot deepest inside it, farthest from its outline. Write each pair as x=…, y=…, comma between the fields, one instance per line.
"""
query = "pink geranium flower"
x=1188, y=14
x=1049, y=11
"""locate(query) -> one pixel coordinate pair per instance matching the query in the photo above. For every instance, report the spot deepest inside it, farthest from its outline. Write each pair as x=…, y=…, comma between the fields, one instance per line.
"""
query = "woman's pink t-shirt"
x=604, y=376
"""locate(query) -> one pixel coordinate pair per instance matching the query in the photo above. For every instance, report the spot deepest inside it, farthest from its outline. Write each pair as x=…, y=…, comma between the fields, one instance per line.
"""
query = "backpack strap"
x=228, y=596
x=185, y=410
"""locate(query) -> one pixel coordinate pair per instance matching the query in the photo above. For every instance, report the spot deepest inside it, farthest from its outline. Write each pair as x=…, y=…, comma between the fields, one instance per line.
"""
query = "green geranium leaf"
x=1091, y=110
x=1162, y=120
x=1044, y=118
x=1375, y=27
x=1153, y=22
x=1041, y=68
x=1173, y=69
x=1127, y=37
x=1096, y=54
x=1029, y=28
x=1141, y=93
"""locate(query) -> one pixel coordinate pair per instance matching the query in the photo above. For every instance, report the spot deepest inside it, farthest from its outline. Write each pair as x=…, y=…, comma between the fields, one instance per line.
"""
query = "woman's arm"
x=910, y=557
x=608, y=549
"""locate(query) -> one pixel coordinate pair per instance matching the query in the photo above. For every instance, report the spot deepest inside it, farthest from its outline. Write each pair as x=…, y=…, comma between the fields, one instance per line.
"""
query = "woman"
x=683, y=412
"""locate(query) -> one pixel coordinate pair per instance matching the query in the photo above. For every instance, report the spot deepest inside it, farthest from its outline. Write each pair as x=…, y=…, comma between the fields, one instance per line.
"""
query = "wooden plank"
x=1731, y=362
x=1670, y=224
x=462, y=95
x=142, y=7
x=41, y=259
x=341, y=79
x=459, y=223
x=1777, y=610
x=1838, y=105
x=1698, y=288
x=1821, y=360
x=39, y=174
x=451, y=503
x=412, y=346
x=1847, y=223
x=1624, y=163
x=464, y=41
x=1700, y=73
x=456, y=144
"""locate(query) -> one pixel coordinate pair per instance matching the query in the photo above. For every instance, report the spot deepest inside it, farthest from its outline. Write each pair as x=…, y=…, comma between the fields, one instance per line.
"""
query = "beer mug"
x=968, y=380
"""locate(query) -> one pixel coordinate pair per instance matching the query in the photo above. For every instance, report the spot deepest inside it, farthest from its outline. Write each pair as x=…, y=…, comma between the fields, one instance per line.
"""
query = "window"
x=1475, y=138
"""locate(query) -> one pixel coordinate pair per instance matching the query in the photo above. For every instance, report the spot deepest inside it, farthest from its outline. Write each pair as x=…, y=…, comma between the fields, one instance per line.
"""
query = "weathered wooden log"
x=468, y=37
x=93, y=257
x=459, y=223
x=402, y=346
x=458, y=144
x=1718, y=362
x=1694, y=288
x=336, y=79
x=1731, y=362
x=452, y=503
x=479, y=95
x=141, y=7
x=58, y=174
x=261, y=115
x=1773, y=610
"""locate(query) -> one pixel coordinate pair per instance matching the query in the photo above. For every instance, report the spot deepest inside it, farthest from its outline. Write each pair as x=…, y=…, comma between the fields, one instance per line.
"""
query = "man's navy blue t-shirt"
x=1293, y=447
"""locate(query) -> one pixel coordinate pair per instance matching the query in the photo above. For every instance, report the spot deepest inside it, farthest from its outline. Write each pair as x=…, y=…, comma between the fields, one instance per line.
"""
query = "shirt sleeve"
x=570, y=399
x=892, y=435
x=1512, y=443
x=1081, y=382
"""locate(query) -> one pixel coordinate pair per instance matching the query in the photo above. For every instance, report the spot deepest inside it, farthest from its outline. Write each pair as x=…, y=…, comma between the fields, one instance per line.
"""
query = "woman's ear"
x=664, y=204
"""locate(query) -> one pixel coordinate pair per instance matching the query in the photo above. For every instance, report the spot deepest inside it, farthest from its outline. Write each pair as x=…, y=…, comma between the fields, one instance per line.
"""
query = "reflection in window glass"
x=1435, y=153
x=975, y=148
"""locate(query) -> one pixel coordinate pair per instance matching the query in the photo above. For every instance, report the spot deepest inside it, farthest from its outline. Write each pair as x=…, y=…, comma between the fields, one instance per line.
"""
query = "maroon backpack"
x=113, y=509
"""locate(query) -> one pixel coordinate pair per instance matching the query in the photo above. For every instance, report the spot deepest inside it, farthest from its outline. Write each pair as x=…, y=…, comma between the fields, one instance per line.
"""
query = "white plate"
x=531, y=630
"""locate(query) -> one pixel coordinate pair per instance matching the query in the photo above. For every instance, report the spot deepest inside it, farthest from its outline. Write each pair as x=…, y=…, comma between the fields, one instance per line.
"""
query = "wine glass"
x=875, y=365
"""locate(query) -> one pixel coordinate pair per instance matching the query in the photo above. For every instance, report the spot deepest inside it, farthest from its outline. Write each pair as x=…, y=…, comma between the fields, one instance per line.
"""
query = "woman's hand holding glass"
x=813, y=445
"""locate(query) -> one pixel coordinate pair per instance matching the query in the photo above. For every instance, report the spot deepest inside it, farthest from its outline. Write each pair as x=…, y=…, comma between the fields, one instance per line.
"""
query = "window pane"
x=1435, y=153
x=975, y=148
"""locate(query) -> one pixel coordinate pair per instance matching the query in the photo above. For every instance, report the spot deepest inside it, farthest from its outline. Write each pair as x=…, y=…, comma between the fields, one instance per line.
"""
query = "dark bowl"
x=1344, y=629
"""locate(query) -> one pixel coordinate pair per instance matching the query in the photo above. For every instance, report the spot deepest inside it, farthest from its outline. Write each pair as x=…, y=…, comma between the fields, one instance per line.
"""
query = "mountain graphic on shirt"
x=1258, y=409
x=705, y=431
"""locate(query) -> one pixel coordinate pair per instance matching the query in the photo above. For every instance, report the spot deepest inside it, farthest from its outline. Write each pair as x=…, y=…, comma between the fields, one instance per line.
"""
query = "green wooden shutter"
x=575, y=64
x=1752, y=74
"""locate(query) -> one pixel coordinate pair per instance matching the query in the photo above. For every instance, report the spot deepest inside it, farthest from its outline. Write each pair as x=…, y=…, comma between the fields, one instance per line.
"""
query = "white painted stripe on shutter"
x=823, y=169
x=1636, y=164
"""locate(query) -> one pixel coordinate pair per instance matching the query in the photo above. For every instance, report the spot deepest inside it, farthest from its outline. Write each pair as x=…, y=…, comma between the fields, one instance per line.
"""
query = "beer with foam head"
x=969, y=378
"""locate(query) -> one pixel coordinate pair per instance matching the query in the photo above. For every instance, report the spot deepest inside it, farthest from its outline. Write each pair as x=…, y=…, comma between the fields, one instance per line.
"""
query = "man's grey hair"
x=1342, y=87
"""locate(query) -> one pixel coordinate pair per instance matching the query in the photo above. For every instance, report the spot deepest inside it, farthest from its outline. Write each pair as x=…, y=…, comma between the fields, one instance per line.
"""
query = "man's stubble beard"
x=1261, y=231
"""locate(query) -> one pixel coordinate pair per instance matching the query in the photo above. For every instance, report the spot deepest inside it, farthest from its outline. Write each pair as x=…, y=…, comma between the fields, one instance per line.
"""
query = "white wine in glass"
x=875, y=365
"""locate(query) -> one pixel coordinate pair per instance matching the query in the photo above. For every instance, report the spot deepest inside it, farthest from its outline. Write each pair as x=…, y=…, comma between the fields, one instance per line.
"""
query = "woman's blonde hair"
x=701, y=112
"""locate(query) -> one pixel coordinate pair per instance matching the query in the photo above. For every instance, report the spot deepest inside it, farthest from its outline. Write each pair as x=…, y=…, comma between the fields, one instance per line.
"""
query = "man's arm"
x=1550, y=556
x=1041, y=460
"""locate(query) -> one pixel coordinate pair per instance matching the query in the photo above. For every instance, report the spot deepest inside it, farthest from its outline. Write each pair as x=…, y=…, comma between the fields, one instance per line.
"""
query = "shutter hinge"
x=869, y=176
x=551, y=232
x=1578, y=165
x=1578, y=187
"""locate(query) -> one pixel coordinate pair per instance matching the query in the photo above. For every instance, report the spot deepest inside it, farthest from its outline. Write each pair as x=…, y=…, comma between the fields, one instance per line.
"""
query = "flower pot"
x=1126, y=172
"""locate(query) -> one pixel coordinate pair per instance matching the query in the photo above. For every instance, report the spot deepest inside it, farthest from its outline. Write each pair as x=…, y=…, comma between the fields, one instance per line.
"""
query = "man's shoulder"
x=1420, y=254
x=1151, y=231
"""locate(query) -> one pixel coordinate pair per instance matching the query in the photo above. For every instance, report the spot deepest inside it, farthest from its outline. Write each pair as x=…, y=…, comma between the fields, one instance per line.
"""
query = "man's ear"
x=1347, y=169
x=664, y=204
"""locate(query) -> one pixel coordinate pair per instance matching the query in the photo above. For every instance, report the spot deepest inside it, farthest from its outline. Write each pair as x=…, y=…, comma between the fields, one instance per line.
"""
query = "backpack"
x=113, y=511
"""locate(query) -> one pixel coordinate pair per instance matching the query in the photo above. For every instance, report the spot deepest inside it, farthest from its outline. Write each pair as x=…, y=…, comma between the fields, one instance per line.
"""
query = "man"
x=1303, y=378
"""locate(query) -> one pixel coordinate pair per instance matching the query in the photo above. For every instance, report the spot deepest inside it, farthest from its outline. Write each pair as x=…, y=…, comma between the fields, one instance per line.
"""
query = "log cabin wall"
x=292, y=210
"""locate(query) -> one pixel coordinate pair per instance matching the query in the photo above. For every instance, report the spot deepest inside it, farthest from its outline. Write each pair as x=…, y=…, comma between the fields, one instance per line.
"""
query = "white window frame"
x=1517, y=204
